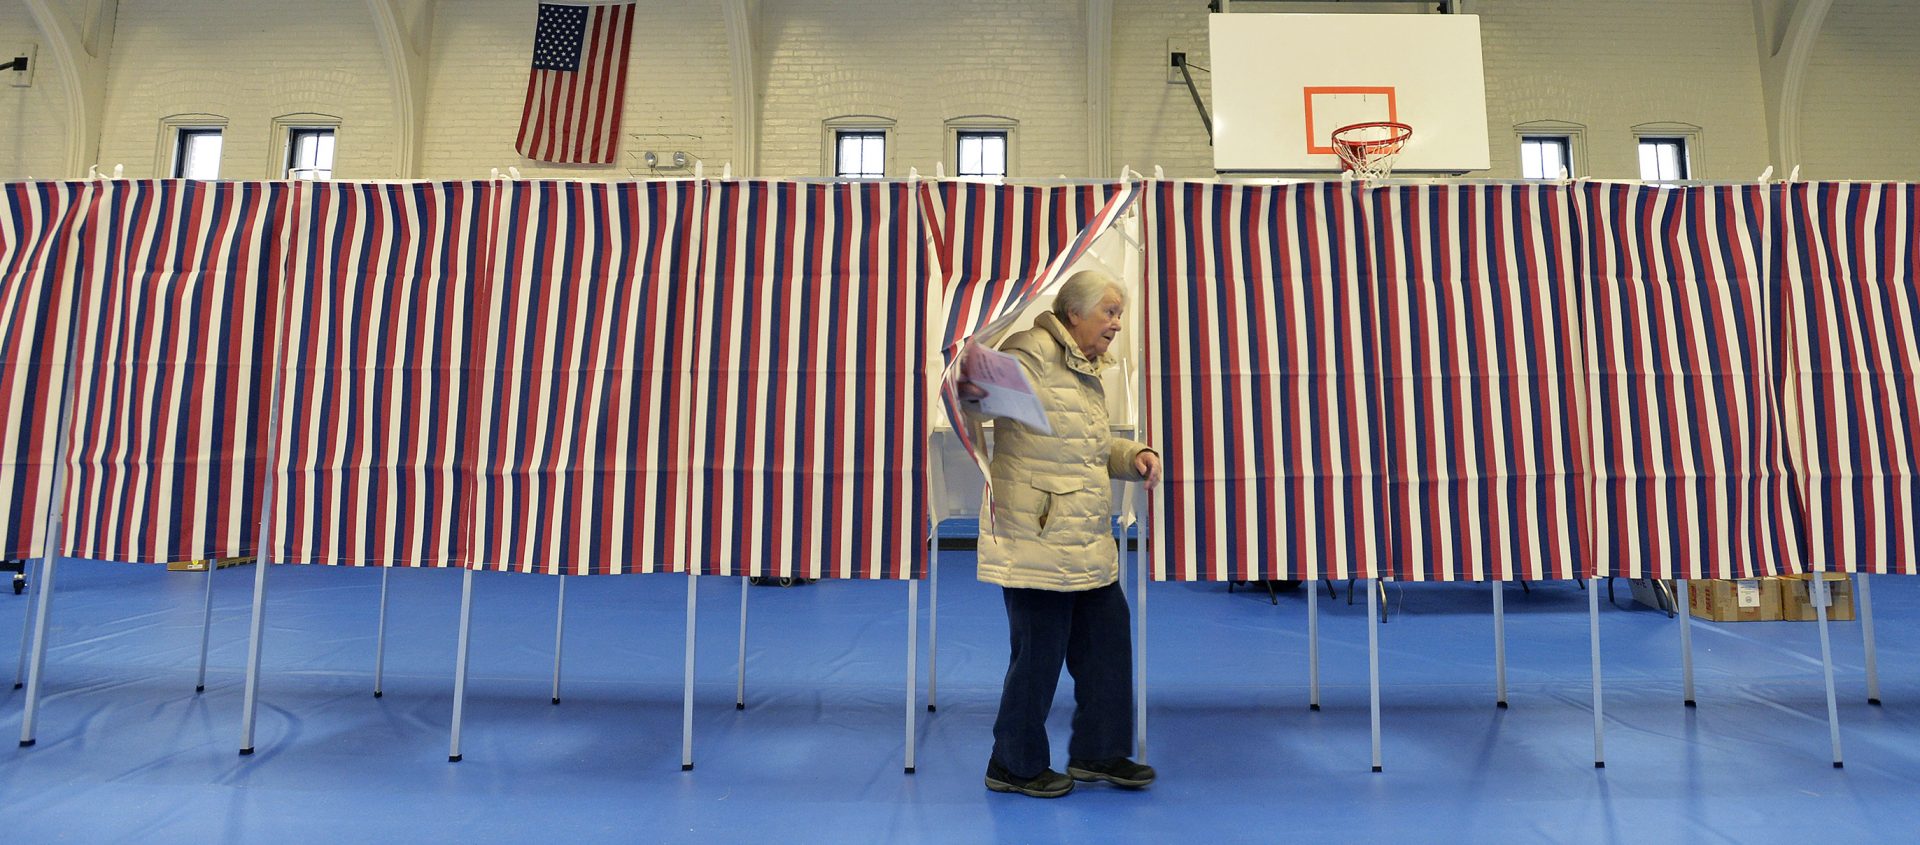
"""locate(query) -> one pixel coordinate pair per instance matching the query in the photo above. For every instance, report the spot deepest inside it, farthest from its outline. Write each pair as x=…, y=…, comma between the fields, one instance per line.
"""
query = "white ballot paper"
x=1009, y=393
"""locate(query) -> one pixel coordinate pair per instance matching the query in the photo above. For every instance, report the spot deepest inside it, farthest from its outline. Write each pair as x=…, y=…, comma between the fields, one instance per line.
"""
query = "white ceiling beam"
x=81, y=47
x=743, y=17
x=405, y=30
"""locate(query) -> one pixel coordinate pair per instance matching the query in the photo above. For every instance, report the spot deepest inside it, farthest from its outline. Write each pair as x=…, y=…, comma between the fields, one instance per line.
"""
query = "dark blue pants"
x=1088, y=631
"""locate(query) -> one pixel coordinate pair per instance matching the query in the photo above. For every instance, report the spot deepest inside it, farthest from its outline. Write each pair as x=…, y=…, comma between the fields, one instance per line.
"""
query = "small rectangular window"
x=1545, y=157
x=196, y=153
x=309, y=153
x=981, y=154
x=1663, y=159
x=860, y=155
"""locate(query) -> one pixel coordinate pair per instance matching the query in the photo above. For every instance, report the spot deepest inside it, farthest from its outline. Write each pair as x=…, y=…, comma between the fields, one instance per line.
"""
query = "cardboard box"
x=1755, y=600
x=1796, y=604
x=201, y=565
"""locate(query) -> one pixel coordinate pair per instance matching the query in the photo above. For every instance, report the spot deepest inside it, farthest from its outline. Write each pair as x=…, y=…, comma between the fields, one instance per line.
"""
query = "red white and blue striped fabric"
x=584, y=398
x=998, y=247
x=1850, y=274
x=43, y=241
x=374, y=445
x=1690, y=466
x=1481, y=346
x=1262, y=383
x=810, y=405
x=170, y=418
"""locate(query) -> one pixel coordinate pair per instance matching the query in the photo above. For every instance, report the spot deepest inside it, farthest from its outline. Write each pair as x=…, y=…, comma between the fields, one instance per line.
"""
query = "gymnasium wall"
x=1602, y=67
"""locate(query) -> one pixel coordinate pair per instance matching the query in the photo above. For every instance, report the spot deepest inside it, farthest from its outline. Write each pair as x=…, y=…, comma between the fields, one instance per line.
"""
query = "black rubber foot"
x=377, y=693
x=246, y=752
x=1500, y=704
x=909, y=770
x=1839, y=765
x=17, y=686
x=200, y=688
x=454, y=758
x=739, y=705
x=1376, y=770
x=1691, y=704
x=1314, y=707
x=931, y=708
x=1874, y=701
x=27, y=743
x=1599, y=764
x=686, y=767
x=556, y=699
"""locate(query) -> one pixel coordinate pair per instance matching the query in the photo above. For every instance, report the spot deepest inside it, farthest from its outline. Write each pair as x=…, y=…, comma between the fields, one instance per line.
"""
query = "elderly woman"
x=1049, y=544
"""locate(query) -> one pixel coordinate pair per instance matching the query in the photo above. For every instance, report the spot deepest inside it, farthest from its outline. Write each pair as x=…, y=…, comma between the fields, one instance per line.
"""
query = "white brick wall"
x=678, y=94
x=921, y=63
x=1155, y=123
x=1613, y=65
x=33, y=120
x=1859, y=114
x=1607, y=65
x=248, y=62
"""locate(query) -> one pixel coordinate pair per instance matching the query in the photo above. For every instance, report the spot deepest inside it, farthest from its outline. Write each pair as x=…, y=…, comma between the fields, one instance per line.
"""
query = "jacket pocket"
x=1054, y=486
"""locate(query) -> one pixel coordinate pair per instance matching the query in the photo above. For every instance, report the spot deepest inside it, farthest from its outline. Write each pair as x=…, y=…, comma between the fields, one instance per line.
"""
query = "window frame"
x=1683, y=157
x=962, y=136
x=832, y=128
x=840, y=138
x=282, y=137
x=1566, y=155
x=291, y=153
x=1691, y=148
x=183, y=139
x=983, y=123
x=167, y=147
x=1575, y=135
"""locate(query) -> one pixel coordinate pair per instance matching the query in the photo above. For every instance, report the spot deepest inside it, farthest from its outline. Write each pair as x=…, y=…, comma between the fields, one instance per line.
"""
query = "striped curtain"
x=44, y=237
x=1481, y=346
x=375, y=445
x=583, y=395
x=998, y=247
x=810, y=383
x=169, y=423
x=1263, y=383
x=1690, y=471
x=1849, y=269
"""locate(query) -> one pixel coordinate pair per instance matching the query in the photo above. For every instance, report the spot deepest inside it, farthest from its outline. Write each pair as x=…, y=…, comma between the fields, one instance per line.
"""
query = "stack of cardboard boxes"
x=201, y=565
x=1787, y=598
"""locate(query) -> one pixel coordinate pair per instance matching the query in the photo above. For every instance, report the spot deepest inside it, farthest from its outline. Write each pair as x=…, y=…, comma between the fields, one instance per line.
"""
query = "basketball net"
x=1367, y=150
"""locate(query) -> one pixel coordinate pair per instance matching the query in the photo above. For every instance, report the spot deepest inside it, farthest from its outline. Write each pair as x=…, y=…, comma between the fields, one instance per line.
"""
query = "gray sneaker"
x=1118, y=771
x=1047, y=784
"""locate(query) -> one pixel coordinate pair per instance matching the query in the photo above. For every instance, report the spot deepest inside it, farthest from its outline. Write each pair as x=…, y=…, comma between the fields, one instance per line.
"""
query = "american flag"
x=577, y=84
x=1851, y=258
x=172, y=371
x=41, y=256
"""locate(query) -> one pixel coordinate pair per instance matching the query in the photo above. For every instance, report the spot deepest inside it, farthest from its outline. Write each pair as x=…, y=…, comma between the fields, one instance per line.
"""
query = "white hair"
x=1083, y=292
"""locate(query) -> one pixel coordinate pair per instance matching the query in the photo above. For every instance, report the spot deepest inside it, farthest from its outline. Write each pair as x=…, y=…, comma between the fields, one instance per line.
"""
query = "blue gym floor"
x=127, y=752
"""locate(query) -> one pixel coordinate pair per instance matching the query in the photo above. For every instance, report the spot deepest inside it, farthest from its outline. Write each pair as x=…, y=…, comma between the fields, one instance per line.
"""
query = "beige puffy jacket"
x=1052, y=493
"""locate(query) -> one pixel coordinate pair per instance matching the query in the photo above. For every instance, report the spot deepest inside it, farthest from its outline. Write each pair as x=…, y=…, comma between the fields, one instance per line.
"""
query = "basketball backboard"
x=1283, y=82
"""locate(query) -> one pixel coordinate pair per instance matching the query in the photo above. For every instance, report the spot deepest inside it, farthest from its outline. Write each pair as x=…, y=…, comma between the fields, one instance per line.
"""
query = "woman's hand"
x=1148, y=465
x=969, y=392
